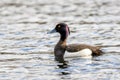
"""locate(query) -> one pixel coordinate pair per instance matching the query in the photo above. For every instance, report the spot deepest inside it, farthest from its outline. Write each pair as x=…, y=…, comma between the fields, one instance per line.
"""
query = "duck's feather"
x=85, y=53
x=78, y=47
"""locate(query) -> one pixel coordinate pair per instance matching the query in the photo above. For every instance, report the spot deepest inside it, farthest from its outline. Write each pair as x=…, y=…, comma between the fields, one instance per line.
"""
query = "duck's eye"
x=59, y=26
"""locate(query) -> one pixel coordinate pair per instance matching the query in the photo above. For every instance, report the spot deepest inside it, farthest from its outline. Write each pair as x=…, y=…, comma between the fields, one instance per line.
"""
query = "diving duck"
x=80, y=49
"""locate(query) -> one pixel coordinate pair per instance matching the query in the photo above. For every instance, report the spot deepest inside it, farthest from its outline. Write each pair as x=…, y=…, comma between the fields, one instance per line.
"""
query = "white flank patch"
x=85, y=53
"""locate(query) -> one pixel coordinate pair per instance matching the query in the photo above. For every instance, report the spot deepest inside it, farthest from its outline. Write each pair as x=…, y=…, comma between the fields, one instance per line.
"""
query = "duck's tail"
x=98, y=51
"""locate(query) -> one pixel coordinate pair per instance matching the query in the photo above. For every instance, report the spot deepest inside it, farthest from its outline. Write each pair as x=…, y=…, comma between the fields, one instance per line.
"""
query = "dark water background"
x=26, y=51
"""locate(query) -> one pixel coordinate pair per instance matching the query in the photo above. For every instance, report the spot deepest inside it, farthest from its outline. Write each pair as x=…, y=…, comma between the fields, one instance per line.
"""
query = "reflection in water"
x=63, y=65
x=64, y=72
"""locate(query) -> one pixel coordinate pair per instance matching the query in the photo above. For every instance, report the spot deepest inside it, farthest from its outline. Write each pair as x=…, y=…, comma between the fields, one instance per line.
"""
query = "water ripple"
x=26, y=50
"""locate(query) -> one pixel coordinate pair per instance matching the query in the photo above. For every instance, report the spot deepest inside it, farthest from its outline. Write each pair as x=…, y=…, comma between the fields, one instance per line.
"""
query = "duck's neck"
x=63, y=37
x=60, y=49
x=63, y=40
x=62, y=43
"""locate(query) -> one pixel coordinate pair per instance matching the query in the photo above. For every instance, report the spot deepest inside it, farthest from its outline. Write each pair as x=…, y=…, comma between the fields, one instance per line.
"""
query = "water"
x=26, y=50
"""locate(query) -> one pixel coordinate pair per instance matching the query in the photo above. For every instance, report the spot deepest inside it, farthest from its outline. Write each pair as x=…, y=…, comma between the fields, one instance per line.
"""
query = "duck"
x=76, y=48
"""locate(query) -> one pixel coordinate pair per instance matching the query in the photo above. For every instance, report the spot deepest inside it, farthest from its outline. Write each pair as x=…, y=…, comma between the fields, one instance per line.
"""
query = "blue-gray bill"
x=52, y=31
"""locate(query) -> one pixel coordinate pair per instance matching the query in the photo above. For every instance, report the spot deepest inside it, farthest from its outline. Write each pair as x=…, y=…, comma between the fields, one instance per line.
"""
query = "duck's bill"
x=52, y=31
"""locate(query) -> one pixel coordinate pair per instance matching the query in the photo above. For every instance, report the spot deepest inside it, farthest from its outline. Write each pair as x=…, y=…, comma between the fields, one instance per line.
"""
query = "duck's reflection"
x=64, y=68
x=63, y=65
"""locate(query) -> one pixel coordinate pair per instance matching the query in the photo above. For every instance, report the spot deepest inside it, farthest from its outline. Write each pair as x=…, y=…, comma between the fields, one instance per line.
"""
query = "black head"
x=63, y=29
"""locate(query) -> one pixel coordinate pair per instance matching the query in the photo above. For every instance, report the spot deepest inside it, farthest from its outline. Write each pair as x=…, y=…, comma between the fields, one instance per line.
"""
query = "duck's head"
x=63, y=29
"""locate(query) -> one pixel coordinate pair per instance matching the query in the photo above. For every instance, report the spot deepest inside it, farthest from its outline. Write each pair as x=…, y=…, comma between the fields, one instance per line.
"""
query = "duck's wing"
x=77, y=47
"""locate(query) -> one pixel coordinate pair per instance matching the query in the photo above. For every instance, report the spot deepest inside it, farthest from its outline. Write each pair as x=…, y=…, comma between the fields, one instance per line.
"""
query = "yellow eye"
x=59, y=26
